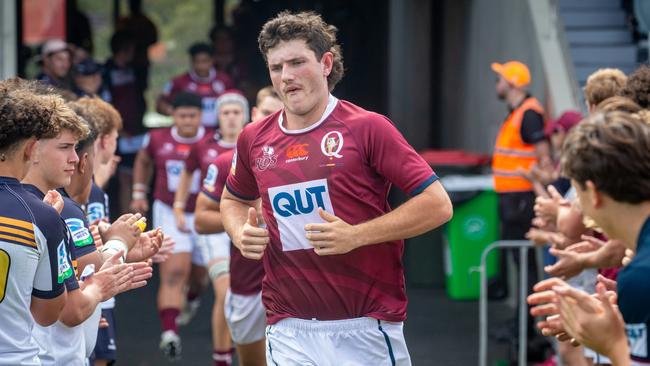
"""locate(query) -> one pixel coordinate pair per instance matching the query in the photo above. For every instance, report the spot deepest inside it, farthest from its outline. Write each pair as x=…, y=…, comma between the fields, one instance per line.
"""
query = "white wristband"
x=140, y=187
x=113, y=246
x=111, y=252
x=138, y=195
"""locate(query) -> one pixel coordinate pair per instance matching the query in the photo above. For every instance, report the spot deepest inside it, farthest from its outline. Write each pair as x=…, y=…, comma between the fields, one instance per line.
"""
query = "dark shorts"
x=105, y=348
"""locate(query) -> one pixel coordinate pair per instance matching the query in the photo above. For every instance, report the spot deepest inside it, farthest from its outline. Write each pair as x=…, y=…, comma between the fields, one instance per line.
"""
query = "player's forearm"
x=233, y=214
x=620, y=355
x=426, y=211
x=79, y=306
x=183, y=190
x=208, y=222
x=47, y=311
x=142, y=168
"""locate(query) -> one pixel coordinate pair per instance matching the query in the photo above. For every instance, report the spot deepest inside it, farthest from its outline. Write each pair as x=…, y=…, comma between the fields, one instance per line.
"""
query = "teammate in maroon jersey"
x=334, y=285
x=202, y=79
x=233, y=114
x=244, y=311
x=165, y=151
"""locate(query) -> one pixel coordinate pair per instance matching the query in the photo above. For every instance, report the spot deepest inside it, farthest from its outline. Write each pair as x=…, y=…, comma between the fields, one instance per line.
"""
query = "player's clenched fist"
x=252, y=238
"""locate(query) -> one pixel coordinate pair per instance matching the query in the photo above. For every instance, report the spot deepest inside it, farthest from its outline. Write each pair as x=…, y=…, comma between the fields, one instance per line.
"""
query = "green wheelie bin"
x=474, y=226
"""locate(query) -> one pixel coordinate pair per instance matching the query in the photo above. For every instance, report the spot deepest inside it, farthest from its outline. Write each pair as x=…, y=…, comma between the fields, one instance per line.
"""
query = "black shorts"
x=105, y=349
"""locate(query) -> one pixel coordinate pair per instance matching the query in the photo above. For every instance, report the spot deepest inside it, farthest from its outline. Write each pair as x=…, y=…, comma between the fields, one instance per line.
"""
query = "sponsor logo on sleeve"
x=268, y=160
x=233, y=164
x=294, y=206
x=64, y=269
x=80, y=234
x=210, y=178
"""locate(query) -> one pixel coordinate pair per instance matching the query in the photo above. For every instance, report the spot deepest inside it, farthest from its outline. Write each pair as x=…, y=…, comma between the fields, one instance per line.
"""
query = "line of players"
x=54, y=271
x=181, y=157
x=61, y=165
x=304, y=190
x=291, y=169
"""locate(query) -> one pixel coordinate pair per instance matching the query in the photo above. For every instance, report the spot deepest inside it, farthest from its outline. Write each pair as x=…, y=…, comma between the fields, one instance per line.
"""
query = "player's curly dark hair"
x=21, y=114
x=32, y=109
x=310, y=27
x=638, y=87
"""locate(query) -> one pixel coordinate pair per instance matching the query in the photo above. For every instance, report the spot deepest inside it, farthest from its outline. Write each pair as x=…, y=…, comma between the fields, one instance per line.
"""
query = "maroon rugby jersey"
x=208, y=88
x=168, y=151
x=205, y=152
x=245, y=274
x=345, y=163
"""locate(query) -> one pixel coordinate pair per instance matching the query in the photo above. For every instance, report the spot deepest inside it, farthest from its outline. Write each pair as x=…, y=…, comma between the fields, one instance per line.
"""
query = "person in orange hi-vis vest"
x=520, y=144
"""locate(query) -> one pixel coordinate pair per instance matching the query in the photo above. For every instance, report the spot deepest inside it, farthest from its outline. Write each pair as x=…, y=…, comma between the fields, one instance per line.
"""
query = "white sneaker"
x=170, y=344
x=188, y=312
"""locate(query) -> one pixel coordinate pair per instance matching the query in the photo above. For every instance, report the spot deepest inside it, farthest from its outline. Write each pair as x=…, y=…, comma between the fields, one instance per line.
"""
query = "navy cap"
x=87, y=67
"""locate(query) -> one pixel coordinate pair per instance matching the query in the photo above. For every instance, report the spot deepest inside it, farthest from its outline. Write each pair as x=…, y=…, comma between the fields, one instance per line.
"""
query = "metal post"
x=523, y=289
x=523, y=246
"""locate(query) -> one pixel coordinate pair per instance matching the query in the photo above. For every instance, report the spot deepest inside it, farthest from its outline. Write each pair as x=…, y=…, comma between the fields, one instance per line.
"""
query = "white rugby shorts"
x=163, y=216
x=214, y=246
x=246, y=317
x=350, y=342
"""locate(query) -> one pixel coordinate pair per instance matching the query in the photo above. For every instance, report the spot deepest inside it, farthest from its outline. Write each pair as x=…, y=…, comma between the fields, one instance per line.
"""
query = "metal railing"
x=523, y=246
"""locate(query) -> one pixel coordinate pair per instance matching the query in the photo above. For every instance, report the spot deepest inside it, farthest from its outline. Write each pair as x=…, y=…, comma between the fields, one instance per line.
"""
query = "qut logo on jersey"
x=298, y=203
x=294, y=206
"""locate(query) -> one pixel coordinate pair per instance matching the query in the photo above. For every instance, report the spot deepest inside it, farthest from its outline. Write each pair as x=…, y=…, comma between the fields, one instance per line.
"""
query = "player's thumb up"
x=252, y=217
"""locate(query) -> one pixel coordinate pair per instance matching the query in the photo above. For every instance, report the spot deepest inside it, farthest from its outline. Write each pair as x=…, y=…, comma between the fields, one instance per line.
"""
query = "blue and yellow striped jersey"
x=34, y=261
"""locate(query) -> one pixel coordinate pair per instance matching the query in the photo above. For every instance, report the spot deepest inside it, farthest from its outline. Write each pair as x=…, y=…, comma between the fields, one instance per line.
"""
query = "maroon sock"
x=168, y=319
x=222, y=358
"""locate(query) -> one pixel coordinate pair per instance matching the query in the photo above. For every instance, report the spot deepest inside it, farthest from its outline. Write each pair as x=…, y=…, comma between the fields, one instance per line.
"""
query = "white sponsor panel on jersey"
x=174, y=169
x=637, y=336
x=294, y=206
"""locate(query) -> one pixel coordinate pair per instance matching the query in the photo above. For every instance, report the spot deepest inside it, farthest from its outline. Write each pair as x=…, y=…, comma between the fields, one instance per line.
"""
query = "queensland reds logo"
x=268, y=159
x=331, y=144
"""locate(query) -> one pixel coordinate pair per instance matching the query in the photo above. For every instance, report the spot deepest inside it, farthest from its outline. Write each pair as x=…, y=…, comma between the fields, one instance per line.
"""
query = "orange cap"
x=514, y=72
